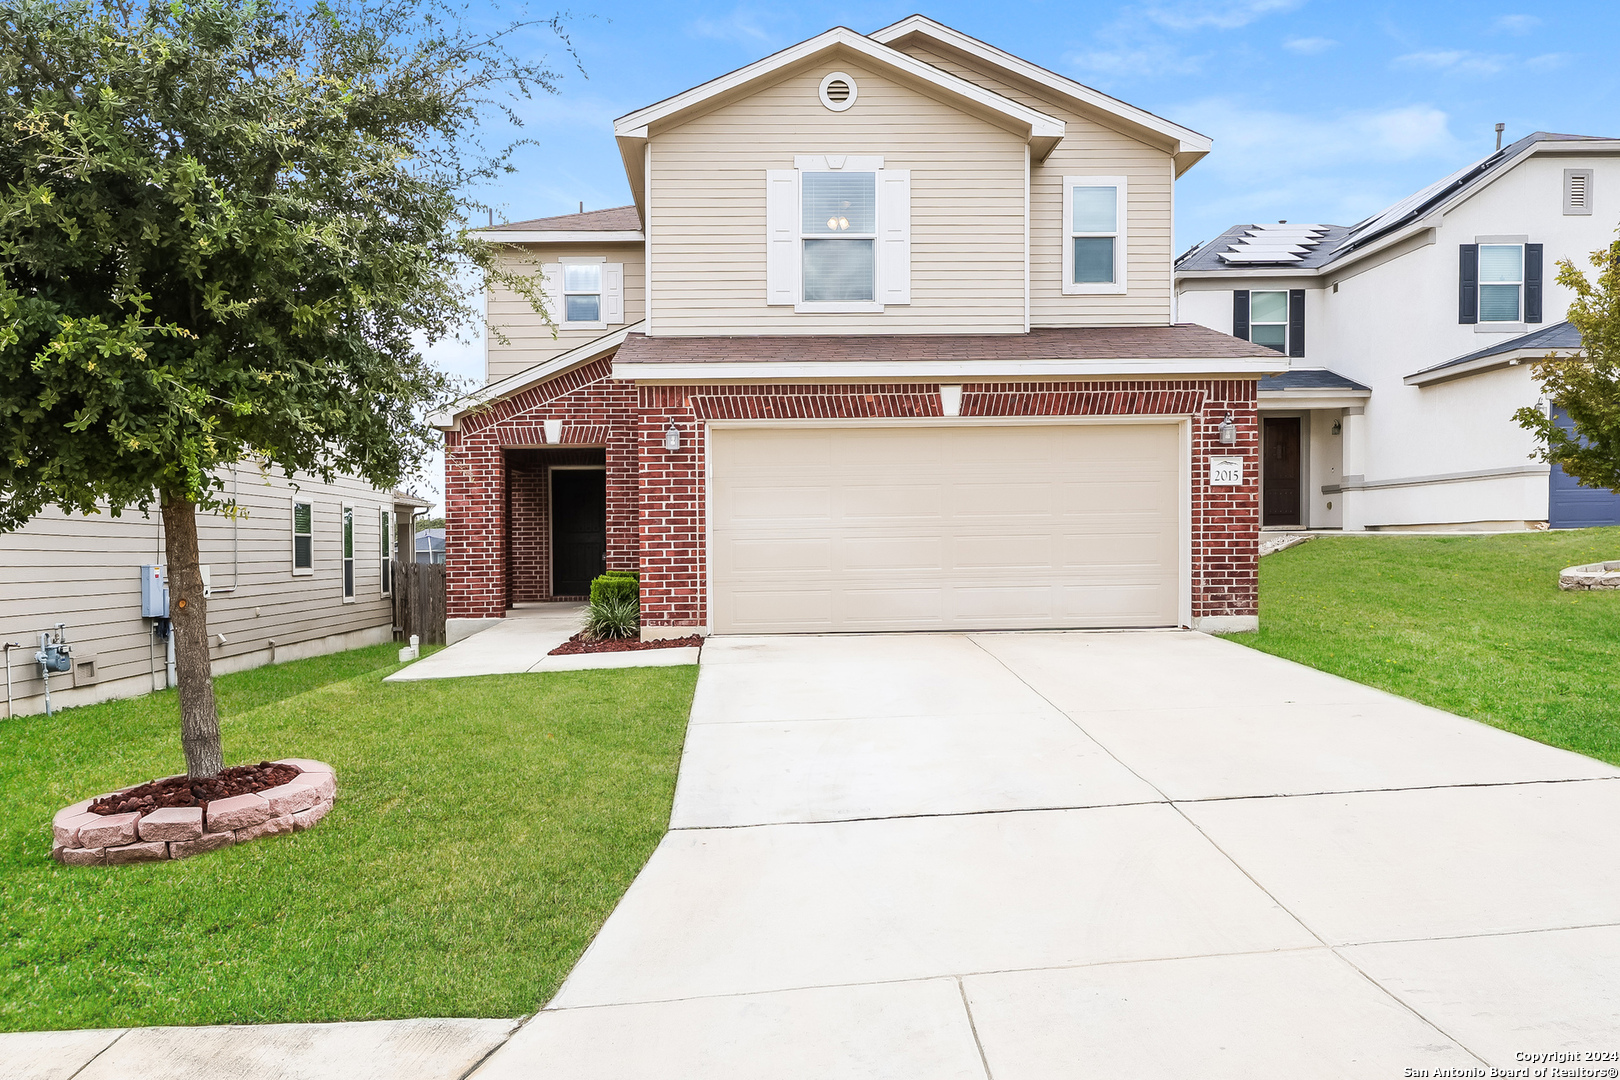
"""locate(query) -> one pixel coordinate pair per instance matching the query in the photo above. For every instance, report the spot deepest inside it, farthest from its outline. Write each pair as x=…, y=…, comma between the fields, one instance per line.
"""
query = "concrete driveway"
x=1151, y=854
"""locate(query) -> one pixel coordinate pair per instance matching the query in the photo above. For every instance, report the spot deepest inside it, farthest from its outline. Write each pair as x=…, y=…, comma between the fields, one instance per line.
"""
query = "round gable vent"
x=837, y=91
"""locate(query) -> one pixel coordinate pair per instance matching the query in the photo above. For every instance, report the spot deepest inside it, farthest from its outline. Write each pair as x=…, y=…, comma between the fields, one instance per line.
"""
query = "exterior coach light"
x=672, y=438
x=1228, y=431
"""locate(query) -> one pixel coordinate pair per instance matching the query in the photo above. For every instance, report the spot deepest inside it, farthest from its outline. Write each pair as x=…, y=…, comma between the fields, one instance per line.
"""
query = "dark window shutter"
x=1532, y=283
x=1240, y=313
x=1296, y=322
x=1468, y=283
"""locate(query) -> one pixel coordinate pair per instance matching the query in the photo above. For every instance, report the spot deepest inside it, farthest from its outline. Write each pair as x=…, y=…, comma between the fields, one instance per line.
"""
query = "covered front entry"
x=1280, y=473
x=557, y=538
x=955, y=526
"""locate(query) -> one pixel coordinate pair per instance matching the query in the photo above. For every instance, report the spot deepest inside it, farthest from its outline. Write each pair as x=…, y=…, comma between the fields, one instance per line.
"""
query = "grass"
x=484, y=830
x=1472, y=624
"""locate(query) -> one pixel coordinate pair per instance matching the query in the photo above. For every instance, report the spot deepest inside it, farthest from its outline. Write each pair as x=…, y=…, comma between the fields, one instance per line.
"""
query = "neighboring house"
x=1409, y=335
x=885, y=343
x=430, y=546
x=301, y=572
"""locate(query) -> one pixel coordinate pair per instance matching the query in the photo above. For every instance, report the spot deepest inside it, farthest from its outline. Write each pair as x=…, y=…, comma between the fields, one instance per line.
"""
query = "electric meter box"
x=154, y=593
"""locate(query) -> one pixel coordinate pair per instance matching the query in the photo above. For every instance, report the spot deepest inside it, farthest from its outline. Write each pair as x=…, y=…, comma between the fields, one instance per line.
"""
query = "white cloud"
x=1216, y=14
x=743, y=26
x=1548, y=61
x=1515, y=24
x=1265, y=142
x=1309, y=46
x=1454, y=62
x=1137, y=61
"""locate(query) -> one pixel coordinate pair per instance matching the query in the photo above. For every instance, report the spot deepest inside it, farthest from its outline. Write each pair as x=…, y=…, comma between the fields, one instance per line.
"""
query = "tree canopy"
x=1587, y=387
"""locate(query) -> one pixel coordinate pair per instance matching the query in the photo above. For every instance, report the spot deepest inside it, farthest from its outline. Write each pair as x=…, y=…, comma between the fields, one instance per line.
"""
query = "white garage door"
x=935, y=528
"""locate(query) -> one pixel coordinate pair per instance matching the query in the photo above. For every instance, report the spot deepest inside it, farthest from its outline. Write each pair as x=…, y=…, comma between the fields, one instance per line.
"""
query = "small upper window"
x=1501, y=280
x=838, y=91
x=582, y=292
x=1094, y=241
x=839, y=229
x=1268, y=320
x=303, y=519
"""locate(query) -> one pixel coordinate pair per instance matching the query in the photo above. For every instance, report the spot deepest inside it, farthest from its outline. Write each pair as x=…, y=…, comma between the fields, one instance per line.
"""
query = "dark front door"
x=578, y=529
x=1279, y=471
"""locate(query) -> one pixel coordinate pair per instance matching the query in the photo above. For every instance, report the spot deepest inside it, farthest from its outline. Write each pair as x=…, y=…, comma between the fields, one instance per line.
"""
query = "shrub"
x=613, y=616
x=618, y=584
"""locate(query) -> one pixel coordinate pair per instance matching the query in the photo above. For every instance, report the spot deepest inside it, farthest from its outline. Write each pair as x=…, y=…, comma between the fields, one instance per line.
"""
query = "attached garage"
x=955, y=526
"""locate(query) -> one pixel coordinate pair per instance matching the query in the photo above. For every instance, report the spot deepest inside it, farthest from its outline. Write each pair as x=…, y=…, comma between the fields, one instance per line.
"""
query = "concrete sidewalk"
x=1150, y=854
x=523, y=642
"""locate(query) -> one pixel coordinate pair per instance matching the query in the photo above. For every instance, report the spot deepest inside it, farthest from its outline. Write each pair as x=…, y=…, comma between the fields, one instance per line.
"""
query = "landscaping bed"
x=578, y=644
x=429, y=890
x=1475, y=625
x=184, y=791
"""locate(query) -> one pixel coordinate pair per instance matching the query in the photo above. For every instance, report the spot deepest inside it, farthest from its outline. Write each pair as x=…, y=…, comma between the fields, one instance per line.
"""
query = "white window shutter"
x=782, y=236
x=894, y=236
x=613, y=293
x=552, y=274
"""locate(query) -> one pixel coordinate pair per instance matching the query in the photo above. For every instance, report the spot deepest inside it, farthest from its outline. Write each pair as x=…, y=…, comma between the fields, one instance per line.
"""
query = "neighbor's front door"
x=578, y=529
x=1279, y=495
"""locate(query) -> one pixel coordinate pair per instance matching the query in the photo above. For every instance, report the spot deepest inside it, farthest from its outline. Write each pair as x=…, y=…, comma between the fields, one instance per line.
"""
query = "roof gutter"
x=1511, y=358
x=775, y=371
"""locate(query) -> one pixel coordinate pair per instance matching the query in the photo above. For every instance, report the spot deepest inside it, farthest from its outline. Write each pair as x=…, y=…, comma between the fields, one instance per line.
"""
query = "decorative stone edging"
x=1598, y=575
x=175, y=832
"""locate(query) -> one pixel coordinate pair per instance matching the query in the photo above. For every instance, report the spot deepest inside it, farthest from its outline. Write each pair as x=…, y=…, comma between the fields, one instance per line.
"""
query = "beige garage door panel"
x=818, y=529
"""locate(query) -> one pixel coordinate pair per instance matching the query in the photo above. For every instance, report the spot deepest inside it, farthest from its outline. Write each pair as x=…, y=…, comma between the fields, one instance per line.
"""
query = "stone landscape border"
x=1598, y=575
x=176, y=832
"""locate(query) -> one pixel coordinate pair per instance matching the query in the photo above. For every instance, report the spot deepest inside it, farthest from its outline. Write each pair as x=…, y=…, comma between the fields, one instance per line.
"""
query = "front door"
x=1279, y=486
x=578, y=529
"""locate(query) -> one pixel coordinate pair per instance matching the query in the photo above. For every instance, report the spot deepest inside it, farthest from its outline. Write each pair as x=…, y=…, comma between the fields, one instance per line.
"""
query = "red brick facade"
x=656, y=497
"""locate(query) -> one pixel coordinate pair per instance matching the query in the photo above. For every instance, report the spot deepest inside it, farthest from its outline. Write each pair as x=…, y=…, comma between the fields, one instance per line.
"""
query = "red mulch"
x=182, y=791
x=577, y=644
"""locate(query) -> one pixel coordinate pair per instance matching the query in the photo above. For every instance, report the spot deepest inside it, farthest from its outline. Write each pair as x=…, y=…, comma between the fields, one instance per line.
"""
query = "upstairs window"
x=837, y=234
x=303, y=530
x=582, y=292
x=1268, y=320
x=1499, y=283
x=838, y=222
x=1093, y=234
x=1501, y=277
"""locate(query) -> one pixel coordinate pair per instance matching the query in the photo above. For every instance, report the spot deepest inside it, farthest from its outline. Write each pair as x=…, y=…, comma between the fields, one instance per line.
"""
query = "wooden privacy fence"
x=419, y=601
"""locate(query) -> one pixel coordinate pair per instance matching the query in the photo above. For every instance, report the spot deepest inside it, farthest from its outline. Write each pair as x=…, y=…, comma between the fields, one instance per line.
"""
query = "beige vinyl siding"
x=84, y=571
x=531, y=340
x=1089, y=148
x=706, y=205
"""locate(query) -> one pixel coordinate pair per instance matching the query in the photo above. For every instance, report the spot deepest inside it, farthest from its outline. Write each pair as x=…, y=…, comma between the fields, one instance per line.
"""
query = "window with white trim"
x=303, y=537
x=1501, y=282
x=1268, y=319
x=585, y=292
x=348, y=554
x=385, y=522
x=1093, y=234
x=838, y=230
x=838, y=219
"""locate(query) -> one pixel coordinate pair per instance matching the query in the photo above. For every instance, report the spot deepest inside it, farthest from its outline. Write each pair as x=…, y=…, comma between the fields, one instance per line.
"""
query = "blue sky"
x=1320, y=110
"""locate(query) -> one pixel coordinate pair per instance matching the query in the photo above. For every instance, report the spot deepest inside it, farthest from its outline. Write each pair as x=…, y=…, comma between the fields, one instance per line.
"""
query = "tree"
x=221, y=224
x=1587, y=387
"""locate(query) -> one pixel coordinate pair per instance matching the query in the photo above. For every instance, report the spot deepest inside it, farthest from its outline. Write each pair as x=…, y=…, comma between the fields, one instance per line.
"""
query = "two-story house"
x=1410, y=336
x=886, y=342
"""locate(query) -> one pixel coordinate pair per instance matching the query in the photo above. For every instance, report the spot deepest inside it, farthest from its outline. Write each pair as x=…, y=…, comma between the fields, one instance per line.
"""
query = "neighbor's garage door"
x=931, y=528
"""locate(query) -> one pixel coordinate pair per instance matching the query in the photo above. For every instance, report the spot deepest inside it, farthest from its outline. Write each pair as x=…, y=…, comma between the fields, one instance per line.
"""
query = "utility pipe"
x=8, y=647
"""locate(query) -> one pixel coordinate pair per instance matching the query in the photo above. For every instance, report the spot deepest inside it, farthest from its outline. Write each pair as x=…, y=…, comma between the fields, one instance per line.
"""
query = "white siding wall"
x=1090, y=148
x=707, y=208
x=531, y=340
x=83, y=571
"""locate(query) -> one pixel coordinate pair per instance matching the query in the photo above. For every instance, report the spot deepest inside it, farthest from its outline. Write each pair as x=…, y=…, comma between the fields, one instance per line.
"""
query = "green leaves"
x=1586, y=387
x=222, y=228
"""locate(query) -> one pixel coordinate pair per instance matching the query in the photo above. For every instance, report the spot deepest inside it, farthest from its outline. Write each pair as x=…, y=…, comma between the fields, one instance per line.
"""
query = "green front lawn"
x=1472, y=624
x=484, y=830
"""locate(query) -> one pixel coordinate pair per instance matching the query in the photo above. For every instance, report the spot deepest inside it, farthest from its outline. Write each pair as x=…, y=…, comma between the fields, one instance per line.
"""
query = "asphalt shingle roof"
x=1309, y=379
x=1559, y=335
x=1182, y=341
x=613, y=219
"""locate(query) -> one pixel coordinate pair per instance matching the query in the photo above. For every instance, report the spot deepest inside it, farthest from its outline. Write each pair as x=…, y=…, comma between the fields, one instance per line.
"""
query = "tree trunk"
x=188, y=621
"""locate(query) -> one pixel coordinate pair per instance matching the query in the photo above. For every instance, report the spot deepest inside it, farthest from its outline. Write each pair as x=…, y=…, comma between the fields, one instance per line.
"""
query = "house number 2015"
x=1225, y=471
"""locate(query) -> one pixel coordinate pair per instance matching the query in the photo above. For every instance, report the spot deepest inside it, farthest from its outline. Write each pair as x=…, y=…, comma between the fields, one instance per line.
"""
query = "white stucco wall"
x=1393, y=315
